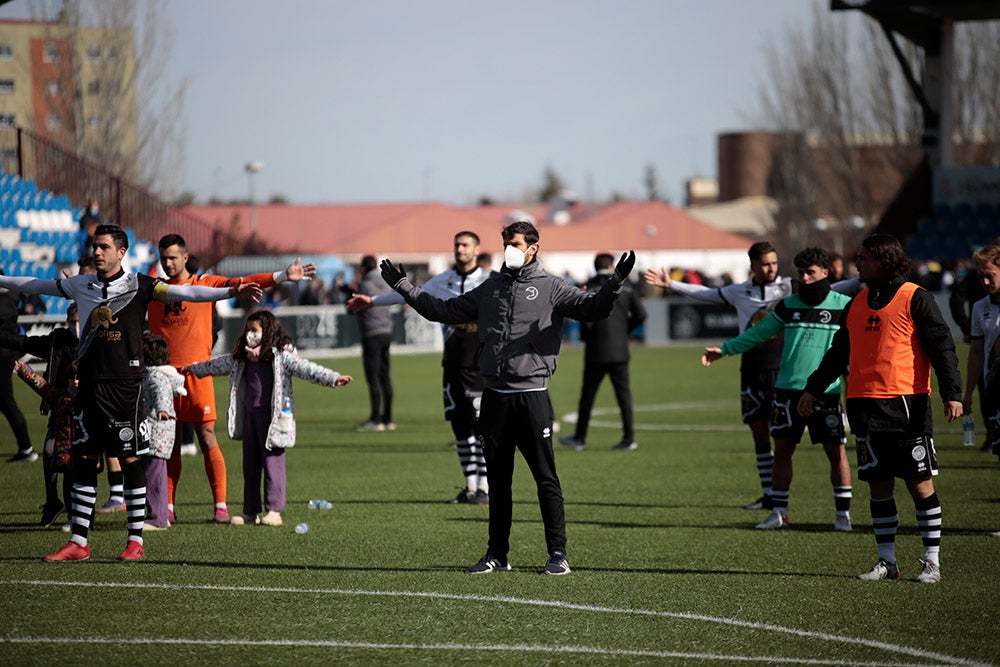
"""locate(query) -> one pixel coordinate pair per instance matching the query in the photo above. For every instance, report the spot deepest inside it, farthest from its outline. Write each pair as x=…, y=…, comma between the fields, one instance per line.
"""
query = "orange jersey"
x=887, y=359
x=187, y=326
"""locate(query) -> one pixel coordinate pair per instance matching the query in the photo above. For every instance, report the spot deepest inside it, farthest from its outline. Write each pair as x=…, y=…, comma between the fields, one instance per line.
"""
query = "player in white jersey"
x=109, y=415
x=752, y=299
x=462, y=383
x=984, y=347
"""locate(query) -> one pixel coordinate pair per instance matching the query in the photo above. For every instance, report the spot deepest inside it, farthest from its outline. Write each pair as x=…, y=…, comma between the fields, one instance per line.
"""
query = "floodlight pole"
x=252, y=168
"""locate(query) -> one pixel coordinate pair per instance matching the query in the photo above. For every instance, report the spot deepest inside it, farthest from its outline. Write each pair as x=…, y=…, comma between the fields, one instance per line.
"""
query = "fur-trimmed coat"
x=162, y=383
x=286, y=364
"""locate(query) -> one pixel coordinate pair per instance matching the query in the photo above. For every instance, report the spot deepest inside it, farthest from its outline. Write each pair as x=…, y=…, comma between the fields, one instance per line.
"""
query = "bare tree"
x=847, y=128
x=126, y=113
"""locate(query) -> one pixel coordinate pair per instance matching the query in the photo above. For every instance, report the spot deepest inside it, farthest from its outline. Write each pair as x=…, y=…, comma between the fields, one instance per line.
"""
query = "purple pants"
x=156, y=490
x=257, y=459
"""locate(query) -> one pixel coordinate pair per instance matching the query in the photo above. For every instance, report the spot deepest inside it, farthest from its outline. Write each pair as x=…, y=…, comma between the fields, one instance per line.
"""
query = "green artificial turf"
x=667, y=568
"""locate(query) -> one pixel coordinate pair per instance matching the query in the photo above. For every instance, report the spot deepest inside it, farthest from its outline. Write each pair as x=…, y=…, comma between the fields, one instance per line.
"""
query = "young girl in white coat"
x=261, y=408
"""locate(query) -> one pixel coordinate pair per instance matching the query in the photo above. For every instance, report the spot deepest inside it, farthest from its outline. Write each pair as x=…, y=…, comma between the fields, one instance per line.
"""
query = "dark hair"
x=154, y=349
x=115, y=232
x=86, y=262
x=368, y=263
x=888, y=251
x=520, y=227
x=72, y=309
x=472, y=235
x=172, y=239
x=812, y=257
x=192, y=265
x=603, y=261
x=759, y=249
x=272, y=335
x=65, y=371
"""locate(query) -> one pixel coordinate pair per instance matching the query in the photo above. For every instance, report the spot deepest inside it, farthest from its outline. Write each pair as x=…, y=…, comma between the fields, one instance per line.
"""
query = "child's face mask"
x=253, y=338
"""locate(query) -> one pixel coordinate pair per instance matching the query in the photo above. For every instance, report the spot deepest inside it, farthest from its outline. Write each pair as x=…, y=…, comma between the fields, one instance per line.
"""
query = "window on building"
x=94, y=87
x=8, y=120
x=53, y=87
x=6, y=86
x=93, y=53
x=6, y=51
x=51, y=54
x=53, y=122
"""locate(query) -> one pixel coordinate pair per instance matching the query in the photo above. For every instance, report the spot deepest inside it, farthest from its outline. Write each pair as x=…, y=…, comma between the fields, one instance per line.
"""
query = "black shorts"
x=462, y=392
x=757, y=393
x=894, y=437
x=826, y=423
x=109, y=420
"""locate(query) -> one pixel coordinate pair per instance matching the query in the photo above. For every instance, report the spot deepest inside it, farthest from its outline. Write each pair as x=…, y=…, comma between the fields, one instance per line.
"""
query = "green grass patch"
x=667, y=567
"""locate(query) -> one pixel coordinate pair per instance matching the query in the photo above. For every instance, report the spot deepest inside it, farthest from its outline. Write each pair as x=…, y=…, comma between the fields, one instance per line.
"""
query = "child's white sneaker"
x=271, y=519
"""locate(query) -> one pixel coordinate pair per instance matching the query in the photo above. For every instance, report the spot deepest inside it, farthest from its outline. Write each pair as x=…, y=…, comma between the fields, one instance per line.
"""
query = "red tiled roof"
x=429, y=228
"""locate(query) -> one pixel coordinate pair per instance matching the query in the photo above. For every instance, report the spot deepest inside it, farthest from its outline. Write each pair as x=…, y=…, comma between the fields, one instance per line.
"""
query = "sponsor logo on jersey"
x=919, y=453
x=531, y=293
x=874, y=324
x=126, y=434
x=102, y=316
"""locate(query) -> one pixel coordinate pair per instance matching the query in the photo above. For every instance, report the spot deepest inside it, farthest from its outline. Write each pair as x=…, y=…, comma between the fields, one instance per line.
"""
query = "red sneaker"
x=133, y=551
x=71, y=551
x=221, y=515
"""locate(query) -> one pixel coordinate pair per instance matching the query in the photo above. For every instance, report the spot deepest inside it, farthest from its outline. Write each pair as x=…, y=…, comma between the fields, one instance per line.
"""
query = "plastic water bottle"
x=313, y=504
x=324, y=505
x=302, y=528
x=968, y=431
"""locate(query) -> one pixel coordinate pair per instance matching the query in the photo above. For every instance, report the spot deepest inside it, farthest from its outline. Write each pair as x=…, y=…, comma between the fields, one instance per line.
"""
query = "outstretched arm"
x=165, y=292
x=31, y=285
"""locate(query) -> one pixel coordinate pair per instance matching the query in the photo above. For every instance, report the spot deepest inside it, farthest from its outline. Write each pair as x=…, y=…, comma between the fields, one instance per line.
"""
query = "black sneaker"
x=26, y=456
x=763, y=503
x=557, y=564
x=464, y=497
x=50, y=511
x=482, y=498
x=488, y=563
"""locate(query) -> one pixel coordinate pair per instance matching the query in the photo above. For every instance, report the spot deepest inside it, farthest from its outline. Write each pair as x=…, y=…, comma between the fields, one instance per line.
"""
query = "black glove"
x=391, y=274
x=625, y=266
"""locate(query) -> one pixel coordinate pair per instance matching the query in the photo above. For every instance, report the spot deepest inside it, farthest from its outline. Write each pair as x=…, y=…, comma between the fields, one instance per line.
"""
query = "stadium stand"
x=40, y=235
x=954, y=231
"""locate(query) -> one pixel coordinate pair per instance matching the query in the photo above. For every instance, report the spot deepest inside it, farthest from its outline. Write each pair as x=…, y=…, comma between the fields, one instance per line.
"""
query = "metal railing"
x=63, y=172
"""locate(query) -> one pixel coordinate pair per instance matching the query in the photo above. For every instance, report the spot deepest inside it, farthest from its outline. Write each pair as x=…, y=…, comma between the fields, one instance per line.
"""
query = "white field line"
x=734, y=427
x=939, y=658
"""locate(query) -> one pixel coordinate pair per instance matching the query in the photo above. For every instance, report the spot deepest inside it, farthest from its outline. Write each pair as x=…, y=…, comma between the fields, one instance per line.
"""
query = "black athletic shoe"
x=482, y=498
x=763, y=503
x=50, y=511
x=489, y=563
x=25, y=456
x=465, y=497
x=557, y=564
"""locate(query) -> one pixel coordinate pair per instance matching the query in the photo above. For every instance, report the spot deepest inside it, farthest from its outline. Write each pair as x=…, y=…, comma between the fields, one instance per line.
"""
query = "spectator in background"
x=836, y=267
x=340, y=291
x=89, y=222
x=606, y=352
x=314, y=294
x=18, y=424
x=376, y=336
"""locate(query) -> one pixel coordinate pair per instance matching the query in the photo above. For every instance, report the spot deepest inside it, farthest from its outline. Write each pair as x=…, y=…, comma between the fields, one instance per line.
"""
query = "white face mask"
x=253, y=338
x=513, y=258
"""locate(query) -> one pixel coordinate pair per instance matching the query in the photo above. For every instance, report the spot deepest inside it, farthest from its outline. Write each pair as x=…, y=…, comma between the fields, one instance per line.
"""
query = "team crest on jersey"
x=825, y=316
x=126, y=434
x=103, y=316
x=531, y=293
x=173, y=308
x=919, y=453
x=832, y=421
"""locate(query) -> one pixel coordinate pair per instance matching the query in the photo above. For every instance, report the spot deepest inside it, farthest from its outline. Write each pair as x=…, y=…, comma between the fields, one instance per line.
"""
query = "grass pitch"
x=667, y=568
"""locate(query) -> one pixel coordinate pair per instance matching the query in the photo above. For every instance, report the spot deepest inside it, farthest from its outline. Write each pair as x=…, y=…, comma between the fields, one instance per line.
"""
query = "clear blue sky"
x=394, y=100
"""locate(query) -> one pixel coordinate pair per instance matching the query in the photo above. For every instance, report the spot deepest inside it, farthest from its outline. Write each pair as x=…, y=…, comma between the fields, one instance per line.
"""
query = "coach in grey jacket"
x=519, y=312
x=376, y=336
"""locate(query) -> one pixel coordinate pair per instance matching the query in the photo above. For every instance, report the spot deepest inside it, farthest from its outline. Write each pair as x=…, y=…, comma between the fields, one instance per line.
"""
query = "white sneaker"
x=931, y=574
x=883, y=570
x=189, y=449
x=996, y=534
x=843, y=524
x=271, y=519
x=243, y=520
x=775, y=521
